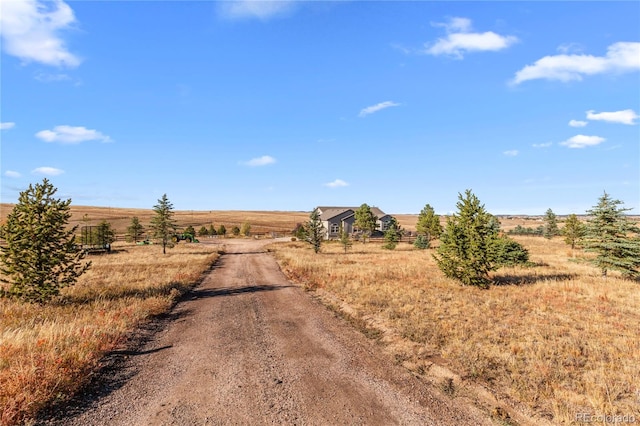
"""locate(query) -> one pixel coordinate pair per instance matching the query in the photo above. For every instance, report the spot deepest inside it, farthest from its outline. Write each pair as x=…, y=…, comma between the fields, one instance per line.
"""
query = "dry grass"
x=48, y=352
x=555, y=340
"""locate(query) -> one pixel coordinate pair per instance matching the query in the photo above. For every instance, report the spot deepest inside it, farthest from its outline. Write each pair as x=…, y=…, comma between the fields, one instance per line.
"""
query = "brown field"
x=553, y=340
x=48, y=352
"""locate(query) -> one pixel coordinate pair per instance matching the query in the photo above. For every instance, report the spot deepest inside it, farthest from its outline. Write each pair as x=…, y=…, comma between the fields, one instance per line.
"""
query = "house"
x=333, y=217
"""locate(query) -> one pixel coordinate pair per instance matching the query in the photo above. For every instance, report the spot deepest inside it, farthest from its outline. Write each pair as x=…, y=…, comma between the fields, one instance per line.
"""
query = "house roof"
x=327, y=213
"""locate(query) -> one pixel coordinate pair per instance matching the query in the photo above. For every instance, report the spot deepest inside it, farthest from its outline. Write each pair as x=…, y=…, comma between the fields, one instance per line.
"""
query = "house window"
x=335, y=228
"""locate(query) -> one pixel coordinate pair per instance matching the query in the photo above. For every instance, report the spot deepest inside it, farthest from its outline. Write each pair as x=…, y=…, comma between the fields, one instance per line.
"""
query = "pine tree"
x=365, y=220
x=222, y=230
x=345, y=241
x=466, y=245
x=163, y=225
x=245, y=229
x=613, y=237
x=429, y=223
x=212, y=230
x=135, y=230
x=573, y=230
x=315, y=231
x=40, y=255
x=392, y=235
x=105, y=235
x=550, y=229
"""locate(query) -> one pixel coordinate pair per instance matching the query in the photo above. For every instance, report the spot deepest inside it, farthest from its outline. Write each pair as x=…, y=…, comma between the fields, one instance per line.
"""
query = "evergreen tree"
x=365, y=220
x=466, y=245
x=245, y=229
x=135, y=230
x=300, y=232
x=550, y=229
x=613, y=237
x=507, y=252
x=421, y=242
x=212, y=230
x=189, y=230
x=344, y=239
x=429, y=223
x=235, y=230
x=105, y=234
x=40, y=255
x=162, y=224
x=315, y=230
x=392, y=235
x=203, y=232
x=222, y=230
x=573, y=230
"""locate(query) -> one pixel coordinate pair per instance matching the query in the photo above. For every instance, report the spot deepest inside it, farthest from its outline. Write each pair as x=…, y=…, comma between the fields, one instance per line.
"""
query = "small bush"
x=422, y=242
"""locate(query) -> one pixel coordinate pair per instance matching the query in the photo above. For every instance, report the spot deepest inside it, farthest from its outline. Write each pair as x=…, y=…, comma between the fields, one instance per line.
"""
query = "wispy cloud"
x=511, y=153
x=542, y=145
x=259, y=161
x=460, y=40
x=582, y=141
x=260, y=9
x=336, y=183
x=577, y=123
x=7, y=125
x=71, y=135
x=48, y=171
x=620, y=58
x=627, y=116
x=30, y=30
x=377, y=107
x=12, y=174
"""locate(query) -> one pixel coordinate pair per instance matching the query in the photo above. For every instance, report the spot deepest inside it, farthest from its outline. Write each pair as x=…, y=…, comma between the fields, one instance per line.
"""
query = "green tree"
x=203, y=232
x=190, y=230
x=245, y=229
x=365, y=221
x=315, y=231
x=421, y=242
x=40, y=255
x=134, y=230
x=235, y=230
x=212, y=230
x=429, y=223
x=550, y=229
x=163, y=224
x=222, y=230
x=345, y=241
x=392, y=234
x=466, y=244
x=105, y=234
x=508, y=252
x=573, y=230
x=613, y=237
x=300, y=232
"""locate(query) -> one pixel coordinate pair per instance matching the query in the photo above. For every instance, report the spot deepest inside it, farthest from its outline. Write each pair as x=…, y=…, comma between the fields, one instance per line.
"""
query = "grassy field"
x=554, y=340
x=48, y=352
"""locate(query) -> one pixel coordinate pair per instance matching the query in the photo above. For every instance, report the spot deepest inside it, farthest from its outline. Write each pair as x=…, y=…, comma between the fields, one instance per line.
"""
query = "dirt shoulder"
x=249, y=347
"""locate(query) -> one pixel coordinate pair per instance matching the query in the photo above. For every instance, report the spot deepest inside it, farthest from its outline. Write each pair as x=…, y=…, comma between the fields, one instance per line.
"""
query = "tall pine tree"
x=163, y=225
x=429, y=223
x=613, y=237
x=40, y=255
x=365, y=220
x=315, y=230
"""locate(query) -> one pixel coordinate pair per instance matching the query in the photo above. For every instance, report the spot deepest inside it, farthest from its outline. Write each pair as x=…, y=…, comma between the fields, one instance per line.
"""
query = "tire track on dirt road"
x=248, y=347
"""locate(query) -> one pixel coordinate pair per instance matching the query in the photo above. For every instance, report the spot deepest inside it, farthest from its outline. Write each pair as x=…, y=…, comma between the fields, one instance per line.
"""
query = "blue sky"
x=288, y=105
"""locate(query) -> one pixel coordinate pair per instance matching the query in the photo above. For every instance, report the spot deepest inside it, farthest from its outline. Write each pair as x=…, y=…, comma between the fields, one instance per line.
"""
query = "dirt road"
x=248, y=347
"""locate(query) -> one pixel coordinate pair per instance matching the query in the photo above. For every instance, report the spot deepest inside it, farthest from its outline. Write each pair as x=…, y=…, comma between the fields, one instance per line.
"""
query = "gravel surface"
x=247, y=347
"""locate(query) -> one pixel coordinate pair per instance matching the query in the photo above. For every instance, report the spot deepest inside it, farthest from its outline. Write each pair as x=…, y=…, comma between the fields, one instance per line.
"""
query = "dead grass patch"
x=48, y=352
x=555, y=340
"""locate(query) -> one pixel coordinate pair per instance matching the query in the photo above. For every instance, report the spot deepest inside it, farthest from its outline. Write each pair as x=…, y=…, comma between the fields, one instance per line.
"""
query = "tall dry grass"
x=48, y=352
x=555, y=340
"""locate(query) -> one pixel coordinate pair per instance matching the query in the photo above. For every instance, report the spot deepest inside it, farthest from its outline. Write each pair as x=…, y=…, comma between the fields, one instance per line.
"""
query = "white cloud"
x=260, y=161
x=582, y=141
x=71, y=135
x=377, y=107
x=511, y=153
x=12, y=174
x=461, y=40
x=30, y=31
x=577, y=123
x=336, y=183
x=261, y=9
x=48, y=171
x=542, y=145
x=621, y=57
x=7, y=125
x=627, y=116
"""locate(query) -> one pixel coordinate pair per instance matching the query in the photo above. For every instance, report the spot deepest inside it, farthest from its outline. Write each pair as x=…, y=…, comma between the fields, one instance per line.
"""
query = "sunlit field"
x=553, y=340
x=48, y=352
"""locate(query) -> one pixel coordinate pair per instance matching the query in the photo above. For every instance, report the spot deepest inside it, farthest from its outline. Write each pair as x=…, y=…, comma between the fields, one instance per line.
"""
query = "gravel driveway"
x=247, y=347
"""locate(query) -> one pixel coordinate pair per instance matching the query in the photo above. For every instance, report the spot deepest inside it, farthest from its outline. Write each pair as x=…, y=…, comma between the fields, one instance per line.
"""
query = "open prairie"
x=555, y=340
